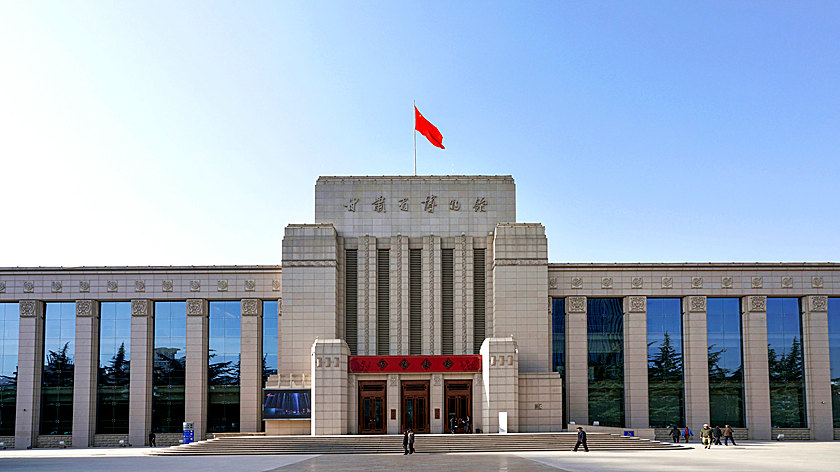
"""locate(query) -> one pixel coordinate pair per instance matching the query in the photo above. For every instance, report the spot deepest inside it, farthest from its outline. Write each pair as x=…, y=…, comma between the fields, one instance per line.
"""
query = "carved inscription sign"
x=427, y=204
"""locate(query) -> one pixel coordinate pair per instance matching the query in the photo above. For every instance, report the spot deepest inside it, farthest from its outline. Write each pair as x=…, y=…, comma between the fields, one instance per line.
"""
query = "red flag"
x=427, y=129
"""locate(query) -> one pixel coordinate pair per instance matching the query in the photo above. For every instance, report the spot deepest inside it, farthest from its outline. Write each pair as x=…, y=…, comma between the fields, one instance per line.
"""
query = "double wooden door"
x=372, y=419
x=414, y=395
x=458, y=405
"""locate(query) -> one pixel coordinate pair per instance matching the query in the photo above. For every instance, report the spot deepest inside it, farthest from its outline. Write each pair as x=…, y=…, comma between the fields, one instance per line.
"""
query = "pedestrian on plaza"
x=728, y=436
x=411, y=441
x=405, y=443
x=717, y=433
x=675, y=434
x=706, y=436
x=152, y=439
x=452, y=424
x=581, y=440
x=467, y=425
x=687, y=433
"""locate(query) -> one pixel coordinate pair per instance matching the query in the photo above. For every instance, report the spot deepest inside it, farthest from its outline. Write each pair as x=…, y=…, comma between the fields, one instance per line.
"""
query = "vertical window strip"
x=9, y=329
x=383, y=297
x=59, y=364
x=726, y=367
x=170, y=362
x=114, y=364
x=605, y=343
x=447, y=300
x=834, y=355
x=415, y=303
x=223, y=380
x=479, y=300
x=665, y=362
x=785, y=362
x=351, y=295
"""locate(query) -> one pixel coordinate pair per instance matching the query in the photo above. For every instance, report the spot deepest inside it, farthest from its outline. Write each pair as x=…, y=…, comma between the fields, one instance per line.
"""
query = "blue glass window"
x=9, y=329
x=558, y=335
x=665, y=362
x=834, y=353
x=57, y=376
x=114, y=360
x=270, y=319
x=224, y=358
x=605, y=341
x=170, y=360
x=726, y=366
x=784, y=355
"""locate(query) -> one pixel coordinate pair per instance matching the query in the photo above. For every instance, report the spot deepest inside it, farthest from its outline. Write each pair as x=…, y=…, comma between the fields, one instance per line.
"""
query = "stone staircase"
x=426, y=443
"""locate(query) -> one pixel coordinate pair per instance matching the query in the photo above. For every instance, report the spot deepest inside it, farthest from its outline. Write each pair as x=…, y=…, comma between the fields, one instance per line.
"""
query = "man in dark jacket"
x=152, y=438
x=411, y=441
x=717, y=433
x=581, y=440
x=728, y=436
x=405, y=443
x=675, y=434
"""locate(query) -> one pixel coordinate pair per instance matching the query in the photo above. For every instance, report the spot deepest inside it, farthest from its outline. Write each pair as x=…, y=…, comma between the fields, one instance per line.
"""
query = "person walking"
x=717, y=433
x=581, y=440
x=675, y=434
x=452, y=423
x=411, y=441
x=467, y=425
x=687, y=433
x=728, y=436
x=152, y=437
x=405, y=443
x=706, y=436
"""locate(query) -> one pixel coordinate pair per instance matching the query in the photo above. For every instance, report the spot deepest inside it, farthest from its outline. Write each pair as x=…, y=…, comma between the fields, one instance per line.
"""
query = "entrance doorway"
x=457, y=396
x=415, y=405
x=372, y=407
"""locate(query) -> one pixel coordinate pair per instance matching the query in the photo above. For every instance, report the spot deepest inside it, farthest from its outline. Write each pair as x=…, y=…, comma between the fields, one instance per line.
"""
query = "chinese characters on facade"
x=428, y=204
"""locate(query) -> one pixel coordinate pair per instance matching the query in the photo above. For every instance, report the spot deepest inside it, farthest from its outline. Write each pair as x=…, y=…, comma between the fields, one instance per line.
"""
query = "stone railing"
x=53, y=440
x=791, y=434
x=8, y=441
x=110, y=440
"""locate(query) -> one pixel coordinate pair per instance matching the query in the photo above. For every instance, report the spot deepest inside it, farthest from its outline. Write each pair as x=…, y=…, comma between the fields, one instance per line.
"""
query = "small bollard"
x=62, y=444
x=780, y=437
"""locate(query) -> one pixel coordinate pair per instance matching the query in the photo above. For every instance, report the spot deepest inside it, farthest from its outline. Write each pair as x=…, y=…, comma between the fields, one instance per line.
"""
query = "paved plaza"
x=749, y=456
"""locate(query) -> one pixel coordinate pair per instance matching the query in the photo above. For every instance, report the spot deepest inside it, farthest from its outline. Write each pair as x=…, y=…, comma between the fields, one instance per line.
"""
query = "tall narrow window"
x=558, y=336
x=446, y=301
x=834, y=355
x=383, y=298
x=269, y=349
x=170, y=360
x=665, y=362
x=113, y=378
x=9, y=329
x=784, y=358
x=225, y=345
x=605, y=341
x=57, y=377
x=351, y=296
x=415, y=304
x=478, y=299
x=726, y=367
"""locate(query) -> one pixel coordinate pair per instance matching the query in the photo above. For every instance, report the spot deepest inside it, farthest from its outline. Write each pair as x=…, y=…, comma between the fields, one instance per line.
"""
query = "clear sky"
x=146, y=133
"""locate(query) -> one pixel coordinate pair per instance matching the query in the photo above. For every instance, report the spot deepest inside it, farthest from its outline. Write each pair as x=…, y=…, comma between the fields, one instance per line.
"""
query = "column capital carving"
x=636, y=304
x=695, y=304
x=250, y=307
x=141, y=307
x=31, y=309
x=576, y=304
x=756, y=304
x=817, y=303
x=85, y=308
x=196, y=307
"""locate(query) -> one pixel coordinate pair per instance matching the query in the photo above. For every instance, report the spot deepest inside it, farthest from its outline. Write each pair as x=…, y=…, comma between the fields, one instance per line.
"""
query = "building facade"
x=416, y=302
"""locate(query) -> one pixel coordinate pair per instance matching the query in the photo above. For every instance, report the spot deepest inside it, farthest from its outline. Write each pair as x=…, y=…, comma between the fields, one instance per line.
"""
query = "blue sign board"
x=189, y=432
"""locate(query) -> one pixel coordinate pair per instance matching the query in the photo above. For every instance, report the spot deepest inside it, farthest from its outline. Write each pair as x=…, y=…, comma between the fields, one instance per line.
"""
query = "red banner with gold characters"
x=414, y=364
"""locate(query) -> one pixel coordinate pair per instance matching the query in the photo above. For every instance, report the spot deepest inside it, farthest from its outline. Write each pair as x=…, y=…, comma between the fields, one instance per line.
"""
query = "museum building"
x=416, y=302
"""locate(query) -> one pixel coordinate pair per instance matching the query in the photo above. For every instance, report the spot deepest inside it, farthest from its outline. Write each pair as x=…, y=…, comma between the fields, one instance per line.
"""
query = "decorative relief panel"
x=787, y=282
x=27, y=308
x=325, y=263
x=818, y=303
x=2, y=286
x=140, y=307
x=667, y=282
x=637, y=282
x=195, y=307
x=250, y=285
x=727, y=282
x=195, y=285
x=28, y=286
x=275, y=285
x=167, y=285
x=552, y=282
x=139, y=286
x=576, y=304
x=606, y=283
x=250, y=307
x=84, y=308
x=221, y=285
x=757, y=282
x=696, y=304
x=697, y=282
x=112, y=286
x=519, y=262
x=393, y=380
x=577, y=282
x=816, y=282
x=84, y=286
x=757, y=303
x=638, y=304
x=437, y=380
x=57, y=286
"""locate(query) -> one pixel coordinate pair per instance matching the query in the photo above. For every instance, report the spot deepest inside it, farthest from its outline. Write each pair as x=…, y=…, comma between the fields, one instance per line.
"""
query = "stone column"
x=250, y=373
x=463, y=295
x=636, y=362
x=431, y=295
x=85, y=378
x=353, y=404
x=30, y=366
x=195, y=410
x=142, y=364
x=756, y=370
x=500, y=371
x=817, y=367
x=576, y=385
x=392, y=402
x=367, y=296
x=329, y=386
x=399, y=296
x=436, y=402
x=696, y=361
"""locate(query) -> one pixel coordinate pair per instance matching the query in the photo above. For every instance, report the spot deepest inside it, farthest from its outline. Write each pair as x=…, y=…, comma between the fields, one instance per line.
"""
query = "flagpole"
x=415, y=138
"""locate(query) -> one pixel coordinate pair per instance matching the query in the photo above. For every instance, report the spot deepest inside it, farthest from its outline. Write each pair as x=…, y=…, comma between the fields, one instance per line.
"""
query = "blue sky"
x=182, y=132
